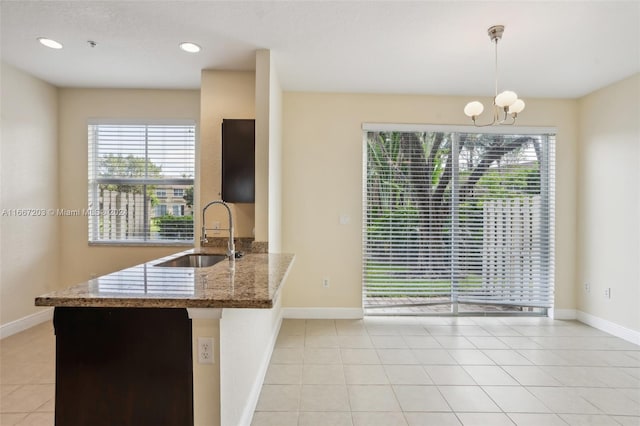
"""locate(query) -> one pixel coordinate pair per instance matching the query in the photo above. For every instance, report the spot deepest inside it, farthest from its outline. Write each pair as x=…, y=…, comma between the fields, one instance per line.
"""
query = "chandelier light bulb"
x=473, y=109
x=516, y=107
x=506, y=98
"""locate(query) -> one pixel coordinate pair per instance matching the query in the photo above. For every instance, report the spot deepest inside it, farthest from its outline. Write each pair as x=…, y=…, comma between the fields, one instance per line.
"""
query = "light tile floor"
x=400, y=371
x=27, y=377
x=488, y=371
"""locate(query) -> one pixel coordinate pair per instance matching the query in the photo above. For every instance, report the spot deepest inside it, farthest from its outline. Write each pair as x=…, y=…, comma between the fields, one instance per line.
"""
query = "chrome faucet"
x=231, y=248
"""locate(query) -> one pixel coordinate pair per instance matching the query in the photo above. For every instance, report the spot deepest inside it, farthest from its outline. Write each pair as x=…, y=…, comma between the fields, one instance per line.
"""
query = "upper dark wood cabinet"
x=238, y=160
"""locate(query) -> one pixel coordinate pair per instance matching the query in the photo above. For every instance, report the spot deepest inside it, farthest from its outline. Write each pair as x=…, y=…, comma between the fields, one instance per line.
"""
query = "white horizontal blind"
x=141, y=182
x=458, y=215
x=502, y=231
x=407, y=240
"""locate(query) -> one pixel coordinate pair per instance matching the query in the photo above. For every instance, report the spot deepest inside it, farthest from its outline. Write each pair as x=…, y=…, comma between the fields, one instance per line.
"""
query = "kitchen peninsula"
x=127, y=342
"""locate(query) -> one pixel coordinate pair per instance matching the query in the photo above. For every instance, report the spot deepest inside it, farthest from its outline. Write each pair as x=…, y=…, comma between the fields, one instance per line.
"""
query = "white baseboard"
x=563, y=314
x=24, y=323
x=323, y=313
x=607, y=326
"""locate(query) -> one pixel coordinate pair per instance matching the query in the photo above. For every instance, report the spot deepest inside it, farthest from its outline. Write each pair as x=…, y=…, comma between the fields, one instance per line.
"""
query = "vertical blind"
x=141, y=182
x=462, y=216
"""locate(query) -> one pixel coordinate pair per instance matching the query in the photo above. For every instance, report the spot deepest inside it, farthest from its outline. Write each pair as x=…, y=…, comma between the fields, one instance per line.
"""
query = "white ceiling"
x=550, y=49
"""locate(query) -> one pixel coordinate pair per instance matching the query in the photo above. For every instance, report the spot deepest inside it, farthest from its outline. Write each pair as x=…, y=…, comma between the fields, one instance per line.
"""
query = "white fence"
x=511, y=251
x=123, y=215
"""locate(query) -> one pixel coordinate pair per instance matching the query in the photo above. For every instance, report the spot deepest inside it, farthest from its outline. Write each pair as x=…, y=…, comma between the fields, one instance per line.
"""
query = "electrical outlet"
x=205, y=350
x=587, y=287
x=325, y=282
x=607, y=293
x=216, y=227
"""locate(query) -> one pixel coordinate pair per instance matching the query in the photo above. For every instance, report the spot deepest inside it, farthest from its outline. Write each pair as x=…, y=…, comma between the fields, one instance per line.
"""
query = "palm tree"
x=409, y=177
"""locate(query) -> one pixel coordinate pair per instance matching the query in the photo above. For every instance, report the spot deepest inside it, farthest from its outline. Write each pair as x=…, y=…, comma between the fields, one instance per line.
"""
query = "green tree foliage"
x=409, y=176
x=188, y=196
x=174, y=227
x=128, y=167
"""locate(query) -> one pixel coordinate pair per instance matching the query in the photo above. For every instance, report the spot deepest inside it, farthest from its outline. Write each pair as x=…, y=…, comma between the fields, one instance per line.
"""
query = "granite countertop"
x=254, y=282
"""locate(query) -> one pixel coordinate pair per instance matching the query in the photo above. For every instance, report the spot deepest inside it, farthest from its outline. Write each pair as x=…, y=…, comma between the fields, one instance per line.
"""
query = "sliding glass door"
x=457, y=221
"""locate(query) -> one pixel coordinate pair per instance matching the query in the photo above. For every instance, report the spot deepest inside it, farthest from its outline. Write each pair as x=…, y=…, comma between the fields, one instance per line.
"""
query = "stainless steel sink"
x=194, y=260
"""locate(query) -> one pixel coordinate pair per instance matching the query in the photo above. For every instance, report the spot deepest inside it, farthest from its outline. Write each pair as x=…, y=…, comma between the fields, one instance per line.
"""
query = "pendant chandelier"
x=506, y=105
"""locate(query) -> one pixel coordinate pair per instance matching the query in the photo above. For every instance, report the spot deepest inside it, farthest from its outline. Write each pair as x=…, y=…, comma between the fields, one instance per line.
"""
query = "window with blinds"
x=458, y=217
x=141, y=183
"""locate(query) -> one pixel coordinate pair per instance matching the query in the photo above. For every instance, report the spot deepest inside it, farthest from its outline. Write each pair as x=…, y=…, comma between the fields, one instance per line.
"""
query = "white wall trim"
x=617, y=330
x=252, y=402
x=563, y=314
x=204, y=313
x=323, y=313
x=24, y=323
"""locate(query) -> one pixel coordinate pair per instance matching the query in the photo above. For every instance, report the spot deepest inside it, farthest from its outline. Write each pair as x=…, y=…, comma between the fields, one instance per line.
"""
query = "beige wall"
x=268, y=152
x=79, y=260
x=263, y=124
x=223, y=94
x=608, y=253
x=322, y=179
x=275, y=161
x=29, y=245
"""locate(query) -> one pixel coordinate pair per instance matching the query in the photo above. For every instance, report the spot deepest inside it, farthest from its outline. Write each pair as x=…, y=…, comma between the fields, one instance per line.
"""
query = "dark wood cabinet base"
x=123, y=366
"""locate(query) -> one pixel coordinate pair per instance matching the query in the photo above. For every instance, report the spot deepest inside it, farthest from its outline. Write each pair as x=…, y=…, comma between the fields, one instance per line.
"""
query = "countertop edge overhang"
x=254, y=282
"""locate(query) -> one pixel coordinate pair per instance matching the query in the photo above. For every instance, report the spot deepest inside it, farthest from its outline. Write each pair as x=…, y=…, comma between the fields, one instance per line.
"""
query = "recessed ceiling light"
x=50, y=43
x=187, y=46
